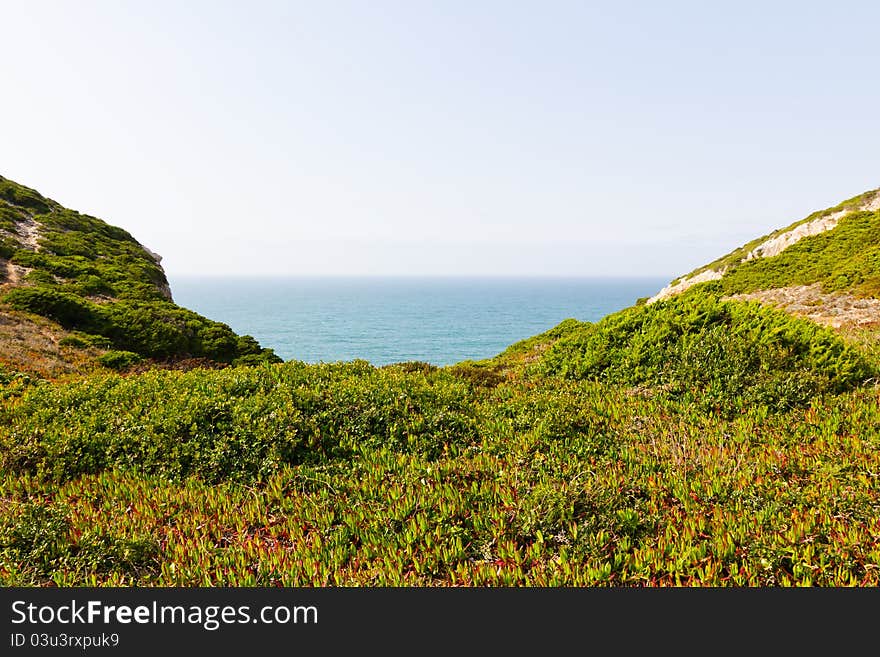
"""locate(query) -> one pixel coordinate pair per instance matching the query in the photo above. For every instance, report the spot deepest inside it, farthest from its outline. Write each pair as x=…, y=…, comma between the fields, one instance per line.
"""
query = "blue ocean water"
x=386, y=320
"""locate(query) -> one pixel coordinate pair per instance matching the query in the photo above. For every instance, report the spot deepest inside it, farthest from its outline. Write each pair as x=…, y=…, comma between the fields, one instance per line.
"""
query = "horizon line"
x=427, y=276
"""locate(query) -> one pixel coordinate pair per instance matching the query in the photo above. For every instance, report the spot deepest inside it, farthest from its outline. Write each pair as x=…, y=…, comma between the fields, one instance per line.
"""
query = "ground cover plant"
x=695, y=441
x=346, y=474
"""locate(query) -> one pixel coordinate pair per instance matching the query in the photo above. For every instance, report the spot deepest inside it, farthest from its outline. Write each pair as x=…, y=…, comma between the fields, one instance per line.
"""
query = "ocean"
x=387, y=320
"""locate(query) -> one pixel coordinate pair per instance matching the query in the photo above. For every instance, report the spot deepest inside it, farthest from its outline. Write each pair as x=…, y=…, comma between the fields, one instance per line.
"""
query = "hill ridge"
x=774, y=244
x=98, y=287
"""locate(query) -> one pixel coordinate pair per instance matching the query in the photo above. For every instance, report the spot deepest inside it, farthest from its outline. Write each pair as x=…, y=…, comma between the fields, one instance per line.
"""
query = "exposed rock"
x=831, y=309
x=682, y=285
x=164, y=288
x=28, y=233
x=155, y=256
x=776, y=245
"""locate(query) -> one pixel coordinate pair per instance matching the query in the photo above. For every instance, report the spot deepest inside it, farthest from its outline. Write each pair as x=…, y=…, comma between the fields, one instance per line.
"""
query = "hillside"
x=702, y=439
x=825, y=266
x=76, y=291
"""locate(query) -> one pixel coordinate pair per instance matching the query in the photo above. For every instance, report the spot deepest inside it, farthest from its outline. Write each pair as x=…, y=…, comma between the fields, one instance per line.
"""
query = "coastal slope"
x=825, y=267
x=76, y=292
x=703, y=439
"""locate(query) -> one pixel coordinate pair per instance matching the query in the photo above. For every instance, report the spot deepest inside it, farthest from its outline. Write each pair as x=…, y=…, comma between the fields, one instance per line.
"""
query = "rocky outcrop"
x=164, y=288
x=776, y=245
x=671, y=290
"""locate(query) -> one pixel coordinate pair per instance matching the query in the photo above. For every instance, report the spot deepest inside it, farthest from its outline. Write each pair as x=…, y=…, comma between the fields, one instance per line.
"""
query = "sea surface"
x=386, y=320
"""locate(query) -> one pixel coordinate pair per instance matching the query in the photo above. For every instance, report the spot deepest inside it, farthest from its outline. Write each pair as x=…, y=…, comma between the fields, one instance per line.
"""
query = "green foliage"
x=96, y=278
x=14, y=383
x=723, y=355
x=161, y=329
x=566, y=483
x=590, y=455
x=119, y=360
x=529, y=345
x=36, y=542
x=845, y=259
x=262, y=357
x=7, y=247
x=737, y=256
x=478, y=375
x=66, y=309
x=8, y=218
x=82, y=340
x=238, y=423
x=413, y=366
x=22, y=196
x=157, y=329
x=36, y=536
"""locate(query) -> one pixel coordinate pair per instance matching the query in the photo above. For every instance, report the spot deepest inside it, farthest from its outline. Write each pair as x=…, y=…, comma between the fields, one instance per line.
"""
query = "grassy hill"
x=825, y=266
x=102, y=291
x=696, y=440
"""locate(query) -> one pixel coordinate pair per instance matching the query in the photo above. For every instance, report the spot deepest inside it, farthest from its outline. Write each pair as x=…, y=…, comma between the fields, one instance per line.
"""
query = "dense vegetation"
x=559, y=469
x=96, y=278
x=694, y=441
x=846, y=259
x=347, y=474
x=722, y=355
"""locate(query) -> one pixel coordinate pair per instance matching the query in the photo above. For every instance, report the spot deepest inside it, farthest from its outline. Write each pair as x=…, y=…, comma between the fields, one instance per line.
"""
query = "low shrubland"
x=346, y=474
x=724, y=356
x=693, y=441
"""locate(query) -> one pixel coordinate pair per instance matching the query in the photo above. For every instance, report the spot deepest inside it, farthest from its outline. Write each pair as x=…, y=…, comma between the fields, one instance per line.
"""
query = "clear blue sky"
x=424, y=138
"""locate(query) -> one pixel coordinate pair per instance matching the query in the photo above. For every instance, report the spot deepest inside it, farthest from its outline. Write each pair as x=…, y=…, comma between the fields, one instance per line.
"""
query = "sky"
x=480, y=138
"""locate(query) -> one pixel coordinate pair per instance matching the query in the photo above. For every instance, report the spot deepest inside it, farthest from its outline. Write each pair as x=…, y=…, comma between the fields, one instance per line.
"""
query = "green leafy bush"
x=479, y=376
x=737, y=257
x=845, y=259
x=722, y=354
x=22, y=196
x=155, y=329
x=82, y=340
x=119, y=360
x=234, y=423
x=66, y=309
x=7, y=247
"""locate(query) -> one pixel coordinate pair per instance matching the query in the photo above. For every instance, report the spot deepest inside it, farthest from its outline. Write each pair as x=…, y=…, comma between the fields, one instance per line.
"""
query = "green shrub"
x=82, y=257
x=841, y=242
x=74, y=341
x=119, y=360
x=37, y=537
x=264, y=357
x=66, y=309
x=478, y=376
x=846, y=259
x=413, y=366
x=156, y=329
x=82, y=340
x=722, y=354
x=236, y=423
x=7, y=247
x=22, y=196
x=40, y=277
